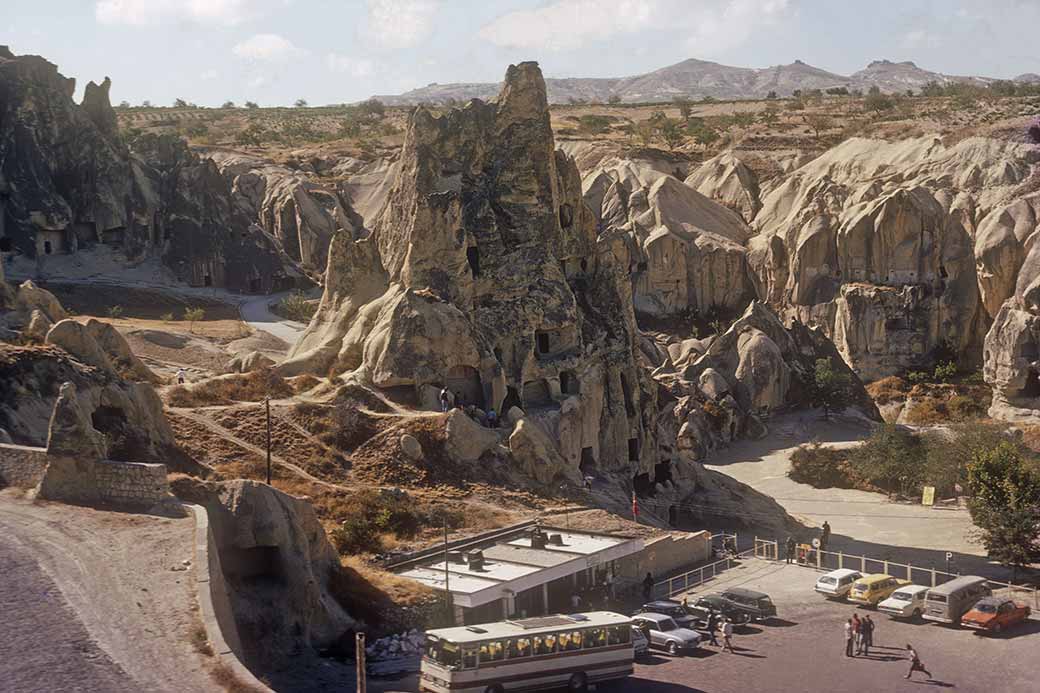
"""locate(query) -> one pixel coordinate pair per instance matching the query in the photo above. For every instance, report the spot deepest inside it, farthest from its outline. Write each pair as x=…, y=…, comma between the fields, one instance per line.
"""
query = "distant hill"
x=697, y=79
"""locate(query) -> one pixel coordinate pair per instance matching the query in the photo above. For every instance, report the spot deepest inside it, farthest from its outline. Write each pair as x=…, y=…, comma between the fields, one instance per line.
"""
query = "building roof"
x=528, y=626
x=512, y=564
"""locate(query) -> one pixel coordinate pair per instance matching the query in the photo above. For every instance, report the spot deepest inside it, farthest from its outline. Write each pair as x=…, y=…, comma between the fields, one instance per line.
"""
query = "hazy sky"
x=332, y=51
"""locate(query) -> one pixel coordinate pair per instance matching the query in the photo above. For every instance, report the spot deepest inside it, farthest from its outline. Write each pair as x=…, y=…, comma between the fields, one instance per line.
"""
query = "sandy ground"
x=861, y=522
x=115, y=574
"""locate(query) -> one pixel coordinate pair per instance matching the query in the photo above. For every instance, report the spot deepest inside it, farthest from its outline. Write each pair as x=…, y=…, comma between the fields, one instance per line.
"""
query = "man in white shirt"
x=727, y=633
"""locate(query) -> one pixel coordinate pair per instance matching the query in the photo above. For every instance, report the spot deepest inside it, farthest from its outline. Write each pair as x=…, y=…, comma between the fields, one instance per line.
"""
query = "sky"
x=339, y=51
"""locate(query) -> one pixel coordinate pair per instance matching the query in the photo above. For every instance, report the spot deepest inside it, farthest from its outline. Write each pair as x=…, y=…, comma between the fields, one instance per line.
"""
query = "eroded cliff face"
x=68, y=180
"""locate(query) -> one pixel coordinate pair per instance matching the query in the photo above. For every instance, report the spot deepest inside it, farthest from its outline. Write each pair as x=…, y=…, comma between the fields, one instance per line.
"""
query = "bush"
x=245, y=387
x=370, y=517
x=892, y=458
x=821, y=467
x=296, y=306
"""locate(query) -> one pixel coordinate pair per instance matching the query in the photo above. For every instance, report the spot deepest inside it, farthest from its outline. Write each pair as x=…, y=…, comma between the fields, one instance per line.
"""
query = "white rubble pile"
x=397, y=646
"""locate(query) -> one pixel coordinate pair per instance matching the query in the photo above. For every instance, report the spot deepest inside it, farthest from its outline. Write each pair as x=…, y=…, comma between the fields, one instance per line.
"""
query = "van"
x=871, y=589
x=837, y=583
x=946, y=603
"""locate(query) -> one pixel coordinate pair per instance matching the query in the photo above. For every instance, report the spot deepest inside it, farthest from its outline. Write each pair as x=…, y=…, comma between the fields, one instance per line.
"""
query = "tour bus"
x=528, y=654
x=951, y=600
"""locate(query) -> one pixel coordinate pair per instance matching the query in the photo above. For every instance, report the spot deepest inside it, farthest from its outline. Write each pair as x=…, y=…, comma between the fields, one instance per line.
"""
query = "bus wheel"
x=578, y=682
x=495, y=688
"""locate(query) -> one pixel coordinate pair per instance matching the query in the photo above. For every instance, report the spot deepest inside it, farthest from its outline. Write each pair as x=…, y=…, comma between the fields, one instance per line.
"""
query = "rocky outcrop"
x=279, y=567
x=726, y=179
x=484, y=273
x=100, y=345
x=71, y=181
x=249, y=362
x=70, y=432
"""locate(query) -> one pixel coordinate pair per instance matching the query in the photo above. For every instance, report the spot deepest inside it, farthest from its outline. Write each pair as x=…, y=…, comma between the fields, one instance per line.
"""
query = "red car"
x=994, y=614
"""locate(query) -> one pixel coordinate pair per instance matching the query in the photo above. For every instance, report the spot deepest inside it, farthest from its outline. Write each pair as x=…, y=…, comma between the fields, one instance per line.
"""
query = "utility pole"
x=360, y=657
x=447, y=590
x=267, y=402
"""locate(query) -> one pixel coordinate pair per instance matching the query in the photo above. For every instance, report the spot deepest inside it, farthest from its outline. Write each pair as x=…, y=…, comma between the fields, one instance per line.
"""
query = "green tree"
x=123, y=104
x=614, y=99
x=818, y=122
x=115, y=312
x=192, y=315
x=685, y=106
x=300, y=103
x=252, y=104
x=146, y=104
x=878, y=102
x=645, y=131
x=672, y=133
x=180, y=103
x=830, y=387
x=373, y=108
x=893, y=458
x=228, y=104
x=771, y=95
x=769, y=116
x=1004, y=501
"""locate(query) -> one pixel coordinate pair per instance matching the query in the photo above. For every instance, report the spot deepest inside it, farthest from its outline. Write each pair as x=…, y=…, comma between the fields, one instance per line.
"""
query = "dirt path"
x=104, y=586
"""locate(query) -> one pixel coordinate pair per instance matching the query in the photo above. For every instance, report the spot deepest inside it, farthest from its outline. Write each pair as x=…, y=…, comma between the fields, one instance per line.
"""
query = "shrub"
x=945, y=372
x=892, y=458
x=296, y=306
x=963, y=408
x=245, y=387
x=115, y=312
x=821, y=467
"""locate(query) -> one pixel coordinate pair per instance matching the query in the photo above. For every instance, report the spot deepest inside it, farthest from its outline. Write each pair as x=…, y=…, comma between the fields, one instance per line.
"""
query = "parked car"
x=666, y=633
x=837, y=583
x=947, y=602
x=640, y=644
x=754, y=606
x=699, y=616
x=669, y=607
x=905, y=602
x=715, y=602
x=994, y=614
x=871, y=589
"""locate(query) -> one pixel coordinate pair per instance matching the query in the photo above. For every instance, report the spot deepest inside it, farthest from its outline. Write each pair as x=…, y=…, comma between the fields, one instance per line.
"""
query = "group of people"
x=791, y=548
x=717, y=623
x=859, y=638
x=488, y=419
x=859, y=635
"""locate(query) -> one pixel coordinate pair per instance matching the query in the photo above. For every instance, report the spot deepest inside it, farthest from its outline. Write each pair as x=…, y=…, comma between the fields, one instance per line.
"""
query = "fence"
x=918, y=575
x=763, y=548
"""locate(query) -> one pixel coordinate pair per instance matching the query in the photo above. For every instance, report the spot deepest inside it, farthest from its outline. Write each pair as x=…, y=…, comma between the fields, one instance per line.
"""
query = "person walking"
x=825, y=535
x=727, y=633
x=915, y=663
x=492, y=419
x=648, y=586
x=181, y=376
x=713, y=625
x=789, y=549
x=848, y=638
x=868, y=634
x=444, y=399
x=857, y=632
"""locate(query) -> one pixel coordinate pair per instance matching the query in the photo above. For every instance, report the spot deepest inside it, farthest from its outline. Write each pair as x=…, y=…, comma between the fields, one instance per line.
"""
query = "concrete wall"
x=131, y=482
x=21, y=466
x=666, y=555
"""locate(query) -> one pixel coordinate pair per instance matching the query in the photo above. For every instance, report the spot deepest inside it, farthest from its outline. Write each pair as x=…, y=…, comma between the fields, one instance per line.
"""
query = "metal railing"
x=683, y=582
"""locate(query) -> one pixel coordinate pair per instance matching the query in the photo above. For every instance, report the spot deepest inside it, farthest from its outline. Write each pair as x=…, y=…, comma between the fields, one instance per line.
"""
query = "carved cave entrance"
x=536, y=393
x=465, y=381
x=512, y=400
x=587, y=465
x=473, y=258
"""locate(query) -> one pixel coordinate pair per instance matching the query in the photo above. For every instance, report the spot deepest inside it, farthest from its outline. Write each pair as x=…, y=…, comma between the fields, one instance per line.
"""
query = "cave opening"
x=633, y=449
x=566, y=216
x=1031, y=389
x=587, y=465
x=464, y=382
x=641, y=484
x=569, y=384
x=512, y=400
x=473, y=258
x=663, y=471
x=542, y=342
x=627, y=391
x=207, y=280
x=47, y=248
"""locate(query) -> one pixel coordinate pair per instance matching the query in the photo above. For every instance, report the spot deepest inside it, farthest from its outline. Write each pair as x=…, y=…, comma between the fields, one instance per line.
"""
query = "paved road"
x=45, y=646
x=804, y=650
x=255, y=312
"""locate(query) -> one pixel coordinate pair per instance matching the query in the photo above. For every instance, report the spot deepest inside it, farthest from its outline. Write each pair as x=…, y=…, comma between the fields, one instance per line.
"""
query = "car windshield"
x=765, y=601
x=902, y=596
x=986, y=608
x=666, y=624
x=933, y=597
x=827, y=580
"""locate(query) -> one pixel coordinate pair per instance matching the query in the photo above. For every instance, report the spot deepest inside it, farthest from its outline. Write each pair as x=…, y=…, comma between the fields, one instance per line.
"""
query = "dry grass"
x=244, y=387
x=225, y=677
x=890, y=389
x=200, y=641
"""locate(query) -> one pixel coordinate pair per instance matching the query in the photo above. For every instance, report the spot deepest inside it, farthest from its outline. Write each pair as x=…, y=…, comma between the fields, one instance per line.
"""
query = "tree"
x=830, y=388
x=614, y=99
x=744, y=119
x=818, y=122
x=702, y=133
x=123, y=104
x=252, y=104
x=228, y=104
x=769, y=116
x=878, y=102
x=372, y=108
x=146, y=104
x=893, y=458
x=685, y=106
x=300, y=103
x=180, y=103
x=252, y=136
x=192, y=315
x=1004, y=501
x=671, y=133
x=645, y=131
x=771, y=95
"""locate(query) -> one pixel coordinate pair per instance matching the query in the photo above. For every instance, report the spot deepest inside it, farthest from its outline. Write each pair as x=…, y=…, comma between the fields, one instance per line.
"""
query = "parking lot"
x=803, y=649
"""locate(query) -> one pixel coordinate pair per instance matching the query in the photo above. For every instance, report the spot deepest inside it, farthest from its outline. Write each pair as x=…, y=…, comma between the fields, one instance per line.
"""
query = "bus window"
x=597, y=637
x=618, y=635
x=444, y=653
x=570, y=641
x=544, y=644
x=492, y=651
x=469, y=658
x=520, y=647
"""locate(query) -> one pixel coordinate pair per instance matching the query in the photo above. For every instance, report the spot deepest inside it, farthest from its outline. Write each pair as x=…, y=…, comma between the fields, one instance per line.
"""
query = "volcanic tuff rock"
x=69, y=180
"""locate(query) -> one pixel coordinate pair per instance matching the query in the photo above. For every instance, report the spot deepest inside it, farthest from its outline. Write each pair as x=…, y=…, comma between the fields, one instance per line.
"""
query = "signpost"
x=928, y=495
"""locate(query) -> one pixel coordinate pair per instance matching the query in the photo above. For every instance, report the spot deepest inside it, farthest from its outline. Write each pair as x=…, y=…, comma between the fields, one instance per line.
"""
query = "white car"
x=837, y=583
x=666, y=633
x=905, y=602
x=639, y=643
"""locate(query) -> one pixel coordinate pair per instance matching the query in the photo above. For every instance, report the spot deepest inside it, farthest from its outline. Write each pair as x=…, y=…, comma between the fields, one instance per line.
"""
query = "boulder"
x=726, y=179
x=537, y=456
x=249, y=362
x=411, y=447
x=30, y=297
x=71, y=432
x=75, y=338
x=466, y=440
x=38, y=327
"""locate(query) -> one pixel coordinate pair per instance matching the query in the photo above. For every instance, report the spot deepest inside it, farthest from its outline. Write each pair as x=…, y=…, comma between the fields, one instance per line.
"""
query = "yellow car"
x=871, y=589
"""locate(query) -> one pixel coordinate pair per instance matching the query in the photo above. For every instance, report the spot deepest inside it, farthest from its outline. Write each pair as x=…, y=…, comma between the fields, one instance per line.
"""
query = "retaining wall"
x=133, y=483
x=21, y=465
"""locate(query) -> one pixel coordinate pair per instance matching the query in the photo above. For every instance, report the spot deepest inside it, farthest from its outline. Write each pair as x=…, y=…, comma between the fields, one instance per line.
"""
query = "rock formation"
x=68, y=180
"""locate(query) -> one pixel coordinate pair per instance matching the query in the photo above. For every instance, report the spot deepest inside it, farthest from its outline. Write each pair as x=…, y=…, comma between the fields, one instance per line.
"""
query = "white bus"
x=528, y=654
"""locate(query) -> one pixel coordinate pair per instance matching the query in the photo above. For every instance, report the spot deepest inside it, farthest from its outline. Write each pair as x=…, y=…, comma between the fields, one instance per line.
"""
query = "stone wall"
x=131, y=483
x=21, y=466
x=666, y=555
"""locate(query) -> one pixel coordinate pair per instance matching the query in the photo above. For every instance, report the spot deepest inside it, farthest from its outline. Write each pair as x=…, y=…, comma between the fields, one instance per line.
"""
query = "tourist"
x=492, y=419
x=848, y=638
x=868, y=634
x=712, y=626
x=727, y=633
x=181, y=376
x=444, y=399
x=857, y=630
x=576, y=602
x=825, y=536
x=915, y=663
x=789, y=549
x=648, y=586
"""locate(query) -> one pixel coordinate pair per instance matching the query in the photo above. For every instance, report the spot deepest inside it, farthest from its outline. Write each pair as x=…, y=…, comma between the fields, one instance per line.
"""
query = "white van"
x=946, y=603
x=837, y=583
